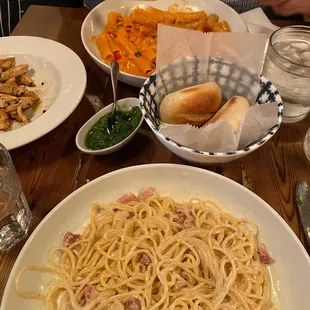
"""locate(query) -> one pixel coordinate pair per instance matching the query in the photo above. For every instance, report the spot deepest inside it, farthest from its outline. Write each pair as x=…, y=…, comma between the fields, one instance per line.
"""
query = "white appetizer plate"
x=60, y=77
x=290, y=272
x=97, y=18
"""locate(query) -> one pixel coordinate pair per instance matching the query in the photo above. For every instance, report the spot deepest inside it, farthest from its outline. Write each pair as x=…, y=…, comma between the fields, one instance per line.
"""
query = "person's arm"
x=289, y=7
x=274, y=16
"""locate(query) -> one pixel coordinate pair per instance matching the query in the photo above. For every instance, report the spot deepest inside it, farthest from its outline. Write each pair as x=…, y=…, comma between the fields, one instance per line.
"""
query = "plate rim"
x=13, y=271
x=34, y=134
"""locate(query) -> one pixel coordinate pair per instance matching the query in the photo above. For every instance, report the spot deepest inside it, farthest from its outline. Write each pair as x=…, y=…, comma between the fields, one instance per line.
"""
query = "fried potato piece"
x=6, y=63
x=25, y=80
x=11, y=81
x=6, y=100
x=13, y=72
x=14, y=115
x=24, y=102
x=11, y=108
x=15, y=90
x=15, y=97
x=27, y=102
x=4, y=120
x=21, y=114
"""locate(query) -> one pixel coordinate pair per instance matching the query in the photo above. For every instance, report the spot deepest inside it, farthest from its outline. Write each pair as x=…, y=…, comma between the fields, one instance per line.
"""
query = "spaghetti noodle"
x=150, y=252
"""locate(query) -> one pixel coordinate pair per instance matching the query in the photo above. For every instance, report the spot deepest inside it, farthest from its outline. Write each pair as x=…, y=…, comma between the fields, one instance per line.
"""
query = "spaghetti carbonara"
x=150, y=252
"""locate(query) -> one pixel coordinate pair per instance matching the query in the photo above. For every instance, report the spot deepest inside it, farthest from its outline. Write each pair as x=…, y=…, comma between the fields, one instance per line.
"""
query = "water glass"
x=287, y=66
x=15, y=215
x=307, y=144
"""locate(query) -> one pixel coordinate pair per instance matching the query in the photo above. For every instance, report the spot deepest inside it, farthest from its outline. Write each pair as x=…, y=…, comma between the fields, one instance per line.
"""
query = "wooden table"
x=52, y=167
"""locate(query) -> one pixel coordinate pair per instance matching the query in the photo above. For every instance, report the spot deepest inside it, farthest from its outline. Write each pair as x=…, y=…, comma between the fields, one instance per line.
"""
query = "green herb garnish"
x=137, y=54
x=298, y=200
x=99, y=137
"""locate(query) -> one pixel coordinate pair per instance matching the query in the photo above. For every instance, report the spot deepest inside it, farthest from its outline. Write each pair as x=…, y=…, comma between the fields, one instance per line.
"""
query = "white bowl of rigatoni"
x=126, y=31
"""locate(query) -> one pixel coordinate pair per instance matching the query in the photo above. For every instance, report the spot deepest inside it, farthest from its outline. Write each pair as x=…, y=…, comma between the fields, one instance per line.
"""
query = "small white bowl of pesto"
x=95, y=139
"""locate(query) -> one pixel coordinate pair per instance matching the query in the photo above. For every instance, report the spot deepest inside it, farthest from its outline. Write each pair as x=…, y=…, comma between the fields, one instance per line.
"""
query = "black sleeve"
x=272, y=15
x=66, y=3
x=10, y=14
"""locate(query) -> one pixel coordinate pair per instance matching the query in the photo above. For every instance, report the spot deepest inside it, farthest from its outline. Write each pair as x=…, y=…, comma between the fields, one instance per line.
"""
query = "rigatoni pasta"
x=105, y=48
x=132, y=39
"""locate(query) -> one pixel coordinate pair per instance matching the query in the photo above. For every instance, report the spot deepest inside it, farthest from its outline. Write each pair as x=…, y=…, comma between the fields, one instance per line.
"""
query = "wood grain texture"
x=52, y=167
x=276, y=167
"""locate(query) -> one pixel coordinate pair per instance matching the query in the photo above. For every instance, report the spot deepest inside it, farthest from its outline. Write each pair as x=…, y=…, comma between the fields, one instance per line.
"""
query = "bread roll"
x=232, y=112
x=194, y=105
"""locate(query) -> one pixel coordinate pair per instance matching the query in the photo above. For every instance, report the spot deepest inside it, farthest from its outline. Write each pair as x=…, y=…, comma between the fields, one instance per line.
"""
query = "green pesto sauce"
x=99, y=138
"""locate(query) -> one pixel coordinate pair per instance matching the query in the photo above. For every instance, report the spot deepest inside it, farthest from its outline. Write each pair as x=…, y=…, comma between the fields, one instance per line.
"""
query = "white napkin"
x=257, y=22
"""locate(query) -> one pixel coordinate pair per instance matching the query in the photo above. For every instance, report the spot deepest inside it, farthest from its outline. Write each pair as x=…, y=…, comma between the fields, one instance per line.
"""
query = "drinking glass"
x=307, y=144
x=15, y=215
x=287, y=66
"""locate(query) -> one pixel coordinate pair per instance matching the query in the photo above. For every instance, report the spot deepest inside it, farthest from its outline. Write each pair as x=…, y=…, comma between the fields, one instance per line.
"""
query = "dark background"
x=69, y=3
x=77, y=4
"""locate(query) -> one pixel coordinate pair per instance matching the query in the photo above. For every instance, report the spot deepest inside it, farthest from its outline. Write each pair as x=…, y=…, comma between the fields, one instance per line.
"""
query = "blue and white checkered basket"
x=236, y=80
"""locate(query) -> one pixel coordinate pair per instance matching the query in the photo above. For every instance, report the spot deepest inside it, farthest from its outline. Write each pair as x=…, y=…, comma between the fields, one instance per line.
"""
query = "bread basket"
x=149, y=103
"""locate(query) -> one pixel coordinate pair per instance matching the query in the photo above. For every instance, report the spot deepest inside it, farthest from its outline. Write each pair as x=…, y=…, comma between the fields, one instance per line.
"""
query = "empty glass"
x=307, y=144
x=287, y=66
x=15, y=214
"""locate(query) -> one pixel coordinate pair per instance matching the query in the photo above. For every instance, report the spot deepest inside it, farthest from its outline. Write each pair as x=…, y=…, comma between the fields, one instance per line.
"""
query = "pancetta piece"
x=70, y=238
x=133, y=304
x=91, y=293
x=146, y=192
x=145, y=260
x=264, y=255
x=128, y=198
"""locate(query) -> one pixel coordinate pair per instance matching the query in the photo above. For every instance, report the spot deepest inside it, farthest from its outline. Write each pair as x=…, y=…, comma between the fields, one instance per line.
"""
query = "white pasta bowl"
x=290, y=273
x=97, y=19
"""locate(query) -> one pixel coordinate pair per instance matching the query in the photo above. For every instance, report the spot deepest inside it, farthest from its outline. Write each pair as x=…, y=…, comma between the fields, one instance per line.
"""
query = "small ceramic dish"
x=123, y=105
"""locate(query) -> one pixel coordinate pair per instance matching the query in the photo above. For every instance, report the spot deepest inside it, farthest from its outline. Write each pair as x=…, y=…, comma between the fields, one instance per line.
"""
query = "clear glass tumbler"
x=307, y=144
x=287, y=66
x=15, y=215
